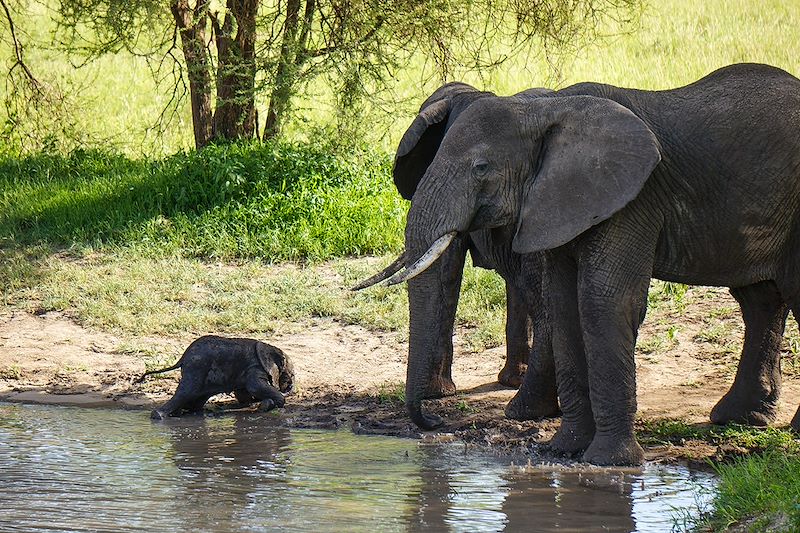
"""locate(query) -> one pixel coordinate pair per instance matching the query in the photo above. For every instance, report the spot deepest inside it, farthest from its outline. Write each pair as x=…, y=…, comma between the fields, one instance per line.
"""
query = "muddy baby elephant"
x=252, y=370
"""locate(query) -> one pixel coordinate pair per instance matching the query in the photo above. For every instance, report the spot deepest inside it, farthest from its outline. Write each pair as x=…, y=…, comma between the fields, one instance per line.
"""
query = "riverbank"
x=350, y=376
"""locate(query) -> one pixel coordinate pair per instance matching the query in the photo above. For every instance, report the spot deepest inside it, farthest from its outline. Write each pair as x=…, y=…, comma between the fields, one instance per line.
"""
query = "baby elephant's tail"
x=173, y=367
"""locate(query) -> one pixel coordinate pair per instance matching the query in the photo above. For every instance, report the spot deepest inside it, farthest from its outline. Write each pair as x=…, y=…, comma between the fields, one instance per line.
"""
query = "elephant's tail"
x=159, y=371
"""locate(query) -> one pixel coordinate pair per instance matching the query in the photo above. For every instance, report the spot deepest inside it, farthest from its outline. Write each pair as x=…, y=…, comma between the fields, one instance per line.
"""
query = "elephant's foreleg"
x=262, y=390
x=577, y=424
x=519, y=338
x=753, y=397
x=183, y=397
x=243, y=397
x=612, y=288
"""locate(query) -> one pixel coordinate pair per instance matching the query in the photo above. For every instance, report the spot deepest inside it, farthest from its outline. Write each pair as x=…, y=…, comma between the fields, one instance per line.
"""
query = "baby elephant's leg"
x=196, y=406
x=260, y=389
x=184, y=398
x=243, y=397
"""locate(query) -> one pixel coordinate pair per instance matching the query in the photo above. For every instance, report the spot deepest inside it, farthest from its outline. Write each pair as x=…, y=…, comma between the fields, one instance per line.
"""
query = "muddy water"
x=71, y=469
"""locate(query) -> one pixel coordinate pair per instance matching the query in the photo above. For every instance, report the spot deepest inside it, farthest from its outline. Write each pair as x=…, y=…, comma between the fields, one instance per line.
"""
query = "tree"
x=230, y=55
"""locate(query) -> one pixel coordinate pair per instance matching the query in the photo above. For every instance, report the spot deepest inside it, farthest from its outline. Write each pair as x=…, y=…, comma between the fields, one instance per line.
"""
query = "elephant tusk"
x=396, y=265
x=426, y=260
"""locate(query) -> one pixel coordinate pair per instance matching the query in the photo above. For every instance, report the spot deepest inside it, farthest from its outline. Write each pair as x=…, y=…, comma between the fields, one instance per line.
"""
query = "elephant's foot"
x=572, y=438
x=614, y=450
x=796, y=421
x=157, y=415
x=740, y=409
x=268, y=405
x=527, y=405
x=440, y=387
x=511, y=375
x=425, y=421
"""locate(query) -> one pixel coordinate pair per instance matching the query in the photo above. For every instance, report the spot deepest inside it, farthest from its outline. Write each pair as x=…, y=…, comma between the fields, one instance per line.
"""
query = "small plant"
x=749, y=437
x=465, y=408
x=390, y=392
x=12, y=372
x=715, y=334
x=667, y=293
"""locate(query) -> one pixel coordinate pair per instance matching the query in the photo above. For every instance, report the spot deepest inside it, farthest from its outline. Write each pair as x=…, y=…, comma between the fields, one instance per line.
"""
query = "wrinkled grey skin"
x=253, y=370
x=697, y=185
x=433, y=296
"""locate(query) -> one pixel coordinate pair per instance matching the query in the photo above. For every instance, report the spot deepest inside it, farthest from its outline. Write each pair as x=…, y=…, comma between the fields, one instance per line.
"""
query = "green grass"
x=761, y=490
x=754, y=439
x=271, y=202
x=392, y=393
x=136, y=295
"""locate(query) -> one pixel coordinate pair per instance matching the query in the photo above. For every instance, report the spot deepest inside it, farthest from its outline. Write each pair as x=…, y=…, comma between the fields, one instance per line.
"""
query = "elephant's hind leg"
x=519, y=339
x=175, y=405
x=753, y=397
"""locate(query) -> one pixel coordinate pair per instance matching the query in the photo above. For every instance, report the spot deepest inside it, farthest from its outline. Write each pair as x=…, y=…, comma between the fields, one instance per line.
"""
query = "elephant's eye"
x=480, y=167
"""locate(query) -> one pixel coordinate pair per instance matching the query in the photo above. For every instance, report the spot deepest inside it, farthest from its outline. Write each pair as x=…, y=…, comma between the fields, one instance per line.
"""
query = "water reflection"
x=70, y=469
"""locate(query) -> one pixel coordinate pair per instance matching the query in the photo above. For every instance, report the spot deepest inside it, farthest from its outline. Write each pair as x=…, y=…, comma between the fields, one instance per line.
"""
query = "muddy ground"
x=349, y=377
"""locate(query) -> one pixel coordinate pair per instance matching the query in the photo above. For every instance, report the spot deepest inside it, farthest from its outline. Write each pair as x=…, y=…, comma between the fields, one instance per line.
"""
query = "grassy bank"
x=270, y=202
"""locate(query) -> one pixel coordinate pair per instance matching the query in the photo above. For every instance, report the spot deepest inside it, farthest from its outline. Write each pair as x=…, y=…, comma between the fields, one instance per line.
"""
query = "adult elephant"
x=698, y=185
x=433, y=298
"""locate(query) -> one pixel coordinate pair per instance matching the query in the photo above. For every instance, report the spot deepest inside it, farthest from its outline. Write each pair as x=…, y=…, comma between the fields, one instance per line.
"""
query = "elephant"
x=252, y=370
x=431, y=331
x=613, y=187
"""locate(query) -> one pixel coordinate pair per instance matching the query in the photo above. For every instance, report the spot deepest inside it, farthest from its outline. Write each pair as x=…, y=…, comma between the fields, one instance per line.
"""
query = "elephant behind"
x=433, y=301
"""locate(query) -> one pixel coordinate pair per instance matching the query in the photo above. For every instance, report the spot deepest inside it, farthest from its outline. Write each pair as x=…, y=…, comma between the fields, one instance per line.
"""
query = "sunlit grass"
x=271, y=202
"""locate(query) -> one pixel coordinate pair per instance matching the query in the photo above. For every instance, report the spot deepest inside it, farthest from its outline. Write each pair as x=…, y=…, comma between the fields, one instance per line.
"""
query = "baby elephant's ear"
x=270, y=360
x=595, y=157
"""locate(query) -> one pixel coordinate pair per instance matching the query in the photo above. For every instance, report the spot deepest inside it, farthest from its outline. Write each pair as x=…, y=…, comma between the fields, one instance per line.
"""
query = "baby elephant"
x=254, y=371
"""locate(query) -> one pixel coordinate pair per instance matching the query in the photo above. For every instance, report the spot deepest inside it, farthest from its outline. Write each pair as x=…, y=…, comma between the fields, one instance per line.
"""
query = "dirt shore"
x=348, y=377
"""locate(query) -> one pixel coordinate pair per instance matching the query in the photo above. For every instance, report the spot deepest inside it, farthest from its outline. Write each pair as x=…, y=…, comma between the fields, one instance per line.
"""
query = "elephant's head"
x=551, y=167
x=277, y=365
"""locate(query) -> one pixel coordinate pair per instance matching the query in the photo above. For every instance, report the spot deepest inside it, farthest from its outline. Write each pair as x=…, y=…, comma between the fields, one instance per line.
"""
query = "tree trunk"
x=293, y=54
x=235, y=116
x=192, y=28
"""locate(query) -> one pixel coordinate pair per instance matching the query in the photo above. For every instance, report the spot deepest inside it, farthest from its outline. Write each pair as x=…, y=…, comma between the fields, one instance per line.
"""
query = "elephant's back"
x=728, y=186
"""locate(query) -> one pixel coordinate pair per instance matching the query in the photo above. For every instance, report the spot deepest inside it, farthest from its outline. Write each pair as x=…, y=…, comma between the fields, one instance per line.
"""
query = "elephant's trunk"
x=427, y=347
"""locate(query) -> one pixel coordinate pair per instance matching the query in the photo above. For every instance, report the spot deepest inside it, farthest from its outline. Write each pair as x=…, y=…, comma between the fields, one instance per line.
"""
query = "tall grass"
x=273, y=202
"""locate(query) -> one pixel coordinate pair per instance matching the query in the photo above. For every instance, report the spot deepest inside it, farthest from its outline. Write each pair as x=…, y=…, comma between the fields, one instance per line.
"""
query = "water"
x=73, y=469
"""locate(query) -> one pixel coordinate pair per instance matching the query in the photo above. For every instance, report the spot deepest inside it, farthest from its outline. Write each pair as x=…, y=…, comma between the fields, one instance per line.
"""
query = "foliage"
x=232, y=57
x=273, y=202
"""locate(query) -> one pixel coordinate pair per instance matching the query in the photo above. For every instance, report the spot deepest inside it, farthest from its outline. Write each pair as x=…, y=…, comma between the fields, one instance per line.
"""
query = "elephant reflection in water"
x=225, y=461
x=503, y=500
x=558, y=501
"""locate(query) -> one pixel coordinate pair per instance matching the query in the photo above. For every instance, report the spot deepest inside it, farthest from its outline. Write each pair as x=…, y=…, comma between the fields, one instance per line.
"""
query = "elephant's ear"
x=595, y=156
x=421, y=141
x=267, y=356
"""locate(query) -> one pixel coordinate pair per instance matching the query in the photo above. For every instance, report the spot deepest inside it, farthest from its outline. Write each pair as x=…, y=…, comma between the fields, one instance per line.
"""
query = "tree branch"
x=20, y=61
